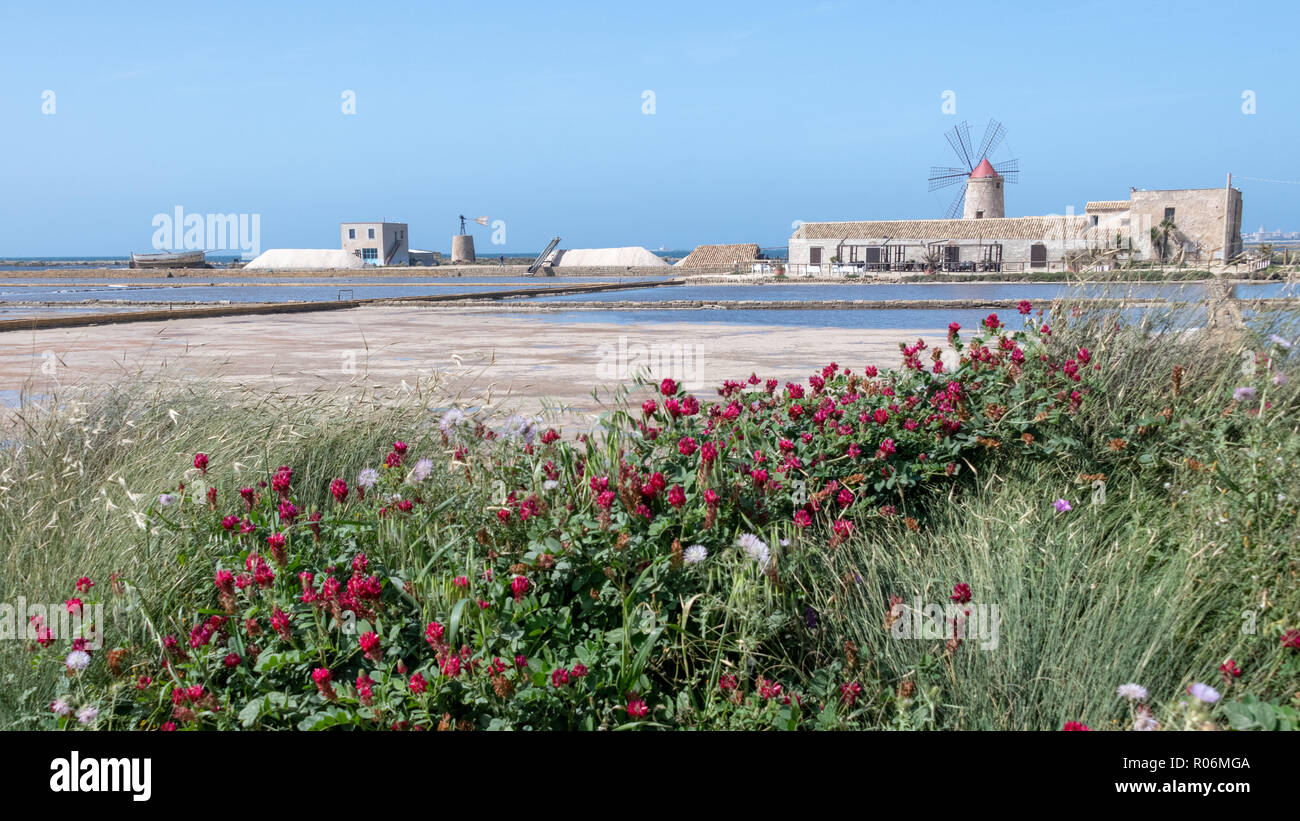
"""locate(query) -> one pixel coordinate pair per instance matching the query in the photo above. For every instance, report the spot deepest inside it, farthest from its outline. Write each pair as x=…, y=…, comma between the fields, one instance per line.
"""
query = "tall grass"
x=1151, y=585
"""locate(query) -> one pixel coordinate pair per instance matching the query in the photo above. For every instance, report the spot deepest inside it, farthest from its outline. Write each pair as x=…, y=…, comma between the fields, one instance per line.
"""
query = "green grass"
x=1153, y=585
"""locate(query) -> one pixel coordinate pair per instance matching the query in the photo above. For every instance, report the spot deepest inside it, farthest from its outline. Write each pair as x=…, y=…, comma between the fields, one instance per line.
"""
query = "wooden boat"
x=181, y=259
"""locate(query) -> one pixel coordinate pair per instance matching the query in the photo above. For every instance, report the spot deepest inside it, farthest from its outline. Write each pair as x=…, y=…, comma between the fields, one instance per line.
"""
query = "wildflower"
x=418, y=684
x=451, y=419
x=370, y=645
x=519, y=586
x=992, y=322
x=1076, y=726
x=201, y=462
x=73, y=605
x=367, y=478
x=87, y=714
x=232, y=660
x=461, y=581
x=960, y=593
x=727, y=682
x=668, y=387
x=520, y=427
x=280, y=623
x=676, y=496
x=339, y=490
x=84, y=584
x=1280, y=342
x=802, y=519
x=636, y=708
x=695, y=554
x=1024, y=307
x=1243, y=394
x=1291, y=639
x=423, y=468
x=166, y=500
x=1203, y=692
x=1062, y=506
x=755, y=548
x=1132, y=692
x=849, y=692
x=451, y=667
x=276, y=544
x=323, y=679
x=281, y=478
x=60, y=707
x=559, y=677
x=1230, y=670
x=580, y=670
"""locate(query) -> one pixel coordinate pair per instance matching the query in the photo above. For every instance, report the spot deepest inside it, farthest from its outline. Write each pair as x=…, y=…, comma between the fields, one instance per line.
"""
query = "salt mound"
x=305, y=259
x=631, y=257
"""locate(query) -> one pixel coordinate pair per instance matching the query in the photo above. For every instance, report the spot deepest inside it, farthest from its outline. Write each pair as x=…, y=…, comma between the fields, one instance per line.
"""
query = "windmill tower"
x=462, y=244
x=982, y=192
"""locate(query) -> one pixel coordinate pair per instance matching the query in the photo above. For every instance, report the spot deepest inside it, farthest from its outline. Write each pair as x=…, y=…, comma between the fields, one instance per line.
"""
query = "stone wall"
x=1206, y=219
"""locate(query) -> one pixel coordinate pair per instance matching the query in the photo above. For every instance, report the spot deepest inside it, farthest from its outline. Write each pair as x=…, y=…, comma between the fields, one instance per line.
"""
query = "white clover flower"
x=422, y=469
x=451, y=419
x=77, y=660
x=1132, y=692
x=550, y=484
x=368, y=478
x=695, y=554
x=520, y=427
x=755, y=548
x=87, y=714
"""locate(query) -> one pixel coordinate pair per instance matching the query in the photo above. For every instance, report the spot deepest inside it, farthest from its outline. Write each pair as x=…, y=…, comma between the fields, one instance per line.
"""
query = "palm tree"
x=1160, y=236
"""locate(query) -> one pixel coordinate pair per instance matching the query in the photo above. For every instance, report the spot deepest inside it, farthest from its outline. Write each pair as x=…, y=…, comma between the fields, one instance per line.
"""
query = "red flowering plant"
x=481, y=578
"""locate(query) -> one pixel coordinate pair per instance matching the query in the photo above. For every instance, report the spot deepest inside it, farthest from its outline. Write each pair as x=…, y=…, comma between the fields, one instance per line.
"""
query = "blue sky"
x=531, y=113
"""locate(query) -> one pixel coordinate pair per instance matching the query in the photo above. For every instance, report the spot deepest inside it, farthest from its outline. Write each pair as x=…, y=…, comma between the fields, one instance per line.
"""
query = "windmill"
x=981, y=180
x=462, y=244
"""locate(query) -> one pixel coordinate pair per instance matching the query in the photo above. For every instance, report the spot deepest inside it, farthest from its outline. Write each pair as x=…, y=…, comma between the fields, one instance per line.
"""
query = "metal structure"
x=970, y=158
x=541, y=258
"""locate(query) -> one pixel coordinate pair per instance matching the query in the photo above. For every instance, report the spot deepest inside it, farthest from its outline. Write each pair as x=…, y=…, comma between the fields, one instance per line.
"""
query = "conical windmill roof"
x=984, y=169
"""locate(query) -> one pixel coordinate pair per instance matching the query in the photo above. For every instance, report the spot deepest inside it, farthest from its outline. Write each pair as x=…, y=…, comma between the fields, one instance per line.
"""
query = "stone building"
x=377, y=243
x=1206, y=227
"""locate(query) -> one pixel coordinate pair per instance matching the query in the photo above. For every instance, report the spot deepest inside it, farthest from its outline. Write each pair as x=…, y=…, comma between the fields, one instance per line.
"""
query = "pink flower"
x=960, y=593
x=84, y=584
x=451, y=666
x=280, y=623
x=1024, y=307
x=275, y=542
x=73, y=606
x=992, y=322
x=649, y=407
x=418, y=684
x=1291, y=639
x=579, y=670
x=519, y=587
x=201, y=462
x=676, y=496
x=323, y=679
x=560, y=677
x=802, y=518
x=462, y=581
x=636, y=708
x=1062, y=506
x=686, y=446
x=668, y=387
x=370, y=645
x=1076, y=726
x=339, y=490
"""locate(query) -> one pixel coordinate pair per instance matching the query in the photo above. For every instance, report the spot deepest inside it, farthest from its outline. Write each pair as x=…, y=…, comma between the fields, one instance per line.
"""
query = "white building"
x=377, y=243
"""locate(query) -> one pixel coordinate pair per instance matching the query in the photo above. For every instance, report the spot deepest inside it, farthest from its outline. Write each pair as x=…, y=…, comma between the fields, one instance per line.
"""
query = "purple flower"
x=1243, y=394
x=1204, y=692
x=1062, y=506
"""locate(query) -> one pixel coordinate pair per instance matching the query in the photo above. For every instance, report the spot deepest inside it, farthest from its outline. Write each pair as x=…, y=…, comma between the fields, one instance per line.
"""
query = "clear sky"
x=532, y=113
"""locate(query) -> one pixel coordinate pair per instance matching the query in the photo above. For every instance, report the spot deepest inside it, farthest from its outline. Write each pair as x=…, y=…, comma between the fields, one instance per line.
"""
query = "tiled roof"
x=1108, y=205
x=714, y=256
x=984, y=169
x=899, y=230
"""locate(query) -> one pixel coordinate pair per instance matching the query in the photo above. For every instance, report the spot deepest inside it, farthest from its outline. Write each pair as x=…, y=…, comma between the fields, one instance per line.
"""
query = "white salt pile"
x=304, y=259
x=631, y=257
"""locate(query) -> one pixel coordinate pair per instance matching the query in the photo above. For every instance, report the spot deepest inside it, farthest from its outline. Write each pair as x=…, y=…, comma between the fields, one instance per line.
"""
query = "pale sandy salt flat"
x=505, y=359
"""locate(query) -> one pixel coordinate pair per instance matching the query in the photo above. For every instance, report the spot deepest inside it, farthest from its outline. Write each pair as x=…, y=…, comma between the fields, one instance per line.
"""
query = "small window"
x=1094, y=220
x=370, y=254
x=371, y=232
x=979, y=215
x=352, y=233
x=1169, y=214
x=814, y=256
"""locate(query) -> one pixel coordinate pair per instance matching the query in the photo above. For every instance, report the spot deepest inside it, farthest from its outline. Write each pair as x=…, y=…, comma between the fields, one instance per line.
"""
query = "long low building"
x=1197, y=225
